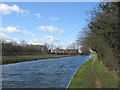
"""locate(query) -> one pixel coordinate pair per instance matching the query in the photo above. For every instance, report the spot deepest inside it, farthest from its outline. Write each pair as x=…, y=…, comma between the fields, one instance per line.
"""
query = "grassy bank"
x=106, y=77
x=84, y=77
x=23, y=58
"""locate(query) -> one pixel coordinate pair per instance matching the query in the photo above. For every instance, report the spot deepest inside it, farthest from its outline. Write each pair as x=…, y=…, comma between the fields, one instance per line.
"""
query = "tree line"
x=22, y=48
x=12, y=48
x=102, y=33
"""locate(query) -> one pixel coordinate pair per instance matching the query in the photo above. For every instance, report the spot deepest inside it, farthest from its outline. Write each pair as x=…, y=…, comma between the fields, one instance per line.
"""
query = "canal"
x=46, y=73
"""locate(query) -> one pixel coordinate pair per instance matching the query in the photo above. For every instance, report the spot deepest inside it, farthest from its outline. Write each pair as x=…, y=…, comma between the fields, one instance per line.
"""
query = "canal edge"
x=76, y=73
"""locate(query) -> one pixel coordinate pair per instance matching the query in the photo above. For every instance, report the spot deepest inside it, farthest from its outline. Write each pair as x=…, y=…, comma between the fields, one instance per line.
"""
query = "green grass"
x=23, y=58
x=83, y=77
x=106, y=77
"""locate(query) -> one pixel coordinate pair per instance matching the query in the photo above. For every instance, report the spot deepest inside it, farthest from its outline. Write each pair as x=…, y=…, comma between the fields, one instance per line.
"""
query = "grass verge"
x=106, y=77
x=24, y=58
x=84, y=78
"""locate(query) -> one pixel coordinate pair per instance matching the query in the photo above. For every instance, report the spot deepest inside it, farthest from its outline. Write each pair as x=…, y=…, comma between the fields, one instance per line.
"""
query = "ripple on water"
x=54, y=73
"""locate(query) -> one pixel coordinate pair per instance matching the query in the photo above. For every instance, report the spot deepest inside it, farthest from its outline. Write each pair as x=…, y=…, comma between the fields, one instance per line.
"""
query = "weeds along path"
x=97, y=82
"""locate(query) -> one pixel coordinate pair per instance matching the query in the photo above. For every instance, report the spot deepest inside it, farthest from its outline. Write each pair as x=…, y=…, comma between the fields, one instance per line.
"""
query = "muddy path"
x=97, y=83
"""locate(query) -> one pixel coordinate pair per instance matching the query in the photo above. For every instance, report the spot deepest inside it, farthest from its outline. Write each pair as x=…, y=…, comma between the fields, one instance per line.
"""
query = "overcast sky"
x=44, y=22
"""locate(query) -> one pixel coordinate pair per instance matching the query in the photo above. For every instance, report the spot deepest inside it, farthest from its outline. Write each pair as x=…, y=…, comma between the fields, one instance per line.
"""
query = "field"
x=24, y=58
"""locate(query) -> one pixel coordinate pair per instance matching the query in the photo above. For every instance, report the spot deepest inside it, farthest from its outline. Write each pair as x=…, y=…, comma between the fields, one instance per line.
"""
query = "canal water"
x=47, y=73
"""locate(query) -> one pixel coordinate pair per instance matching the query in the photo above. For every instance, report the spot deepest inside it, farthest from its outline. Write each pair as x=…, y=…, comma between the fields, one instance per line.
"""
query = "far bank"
x=23, y=58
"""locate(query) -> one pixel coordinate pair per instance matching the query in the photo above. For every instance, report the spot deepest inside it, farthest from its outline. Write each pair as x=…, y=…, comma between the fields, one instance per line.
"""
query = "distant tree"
x=12, y=48
x=23, y=43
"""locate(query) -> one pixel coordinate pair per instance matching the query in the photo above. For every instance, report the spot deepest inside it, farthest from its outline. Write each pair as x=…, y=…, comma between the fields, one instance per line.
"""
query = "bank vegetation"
x=102, y=34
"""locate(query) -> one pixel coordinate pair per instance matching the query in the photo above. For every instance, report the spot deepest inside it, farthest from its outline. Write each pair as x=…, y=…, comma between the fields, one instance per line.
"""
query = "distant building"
x=64, y=51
